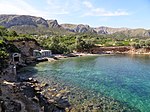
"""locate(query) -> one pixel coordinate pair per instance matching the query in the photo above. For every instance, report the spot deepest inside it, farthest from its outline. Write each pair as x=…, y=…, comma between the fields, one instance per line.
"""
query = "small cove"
x=124, y=78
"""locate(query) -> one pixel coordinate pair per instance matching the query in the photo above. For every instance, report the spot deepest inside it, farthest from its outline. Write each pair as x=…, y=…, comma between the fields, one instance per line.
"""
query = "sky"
x=111, y=13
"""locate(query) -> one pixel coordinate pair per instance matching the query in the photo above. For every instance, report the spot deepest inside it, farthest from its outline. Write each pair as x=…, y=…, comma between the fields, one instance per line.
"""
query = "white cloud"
x=63, y=7
x=53, y=8
x=94, y=11
x=19, y=7
x=57, y=7
x=22, y=7
x=88, y=4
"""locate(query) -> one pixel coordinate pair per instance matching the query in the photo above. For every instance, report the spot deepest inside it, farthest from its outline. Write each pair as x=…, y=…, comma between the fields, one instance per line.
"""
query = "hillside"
x=38, y=25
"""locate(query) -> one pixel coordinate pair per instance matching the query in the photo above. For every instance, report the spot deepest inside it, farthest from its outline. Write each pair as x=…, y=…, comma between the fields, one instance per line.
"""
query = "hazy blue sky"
x=113, y=13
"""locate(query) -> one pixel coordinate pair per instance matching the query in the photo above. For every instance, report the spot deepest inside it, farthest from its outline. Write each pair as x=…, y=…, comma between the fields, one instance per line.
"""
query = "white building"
x=42, y=53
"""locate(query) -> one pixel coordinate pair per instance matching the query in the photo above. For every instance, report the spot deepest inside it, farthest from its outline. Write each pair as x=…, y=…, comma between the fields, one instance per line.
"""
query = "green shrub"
x=142, y=43
x=147, y=42
x=3, y=59
x=119, y=43
x=135, y=45
x=11, y=48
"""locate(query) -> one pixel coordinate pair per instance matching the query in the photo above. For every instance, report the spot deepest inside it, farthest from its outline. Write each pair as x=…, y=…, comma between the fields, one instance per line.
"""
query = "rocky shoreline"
x=26, y=95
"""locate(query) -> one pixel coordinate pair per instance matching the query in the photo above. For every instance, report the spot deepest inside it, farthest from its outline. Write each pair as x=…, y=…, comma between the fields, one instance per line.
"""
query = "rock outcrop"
x=53, y=24
x=78, y=28
x=26, y=46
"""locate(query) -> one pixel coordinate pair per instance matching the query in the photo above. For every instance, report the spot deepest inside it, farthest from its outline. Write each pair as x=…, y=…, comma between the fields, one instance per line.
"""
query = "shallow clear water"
x=125, y=78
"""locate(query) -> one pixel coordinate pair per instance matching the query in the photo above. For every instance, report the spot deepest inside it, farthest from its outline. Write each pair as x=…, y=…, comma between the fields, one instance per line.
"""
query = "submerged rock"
x=63, y=103
x=10, y=106
x=0, y=92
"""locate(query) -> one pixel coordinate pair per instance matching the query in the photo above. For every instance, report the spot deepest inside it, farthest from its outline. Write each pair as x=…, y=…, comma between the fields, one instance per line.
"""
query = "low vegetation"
x=3, y=55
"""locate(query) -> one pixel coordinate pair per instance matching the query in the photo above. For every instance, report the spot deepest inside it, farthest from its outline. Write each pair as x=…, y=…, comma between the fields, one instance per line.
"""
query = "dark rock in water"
x=63, y=103
x=35, y=99
x=0, y=109
x=10, y=106
x=41, y=59
x=52, y=108
x=28, y=91
x=0, y=92
x=42, y=99
x=71, y=55
x=1, y=105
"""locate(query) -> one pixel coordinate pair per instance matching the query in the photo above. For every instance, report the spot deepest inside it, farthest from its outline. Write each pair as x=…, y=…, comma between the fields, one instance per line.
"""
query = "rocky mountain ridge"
x=30, y=22
x=80, y=28
x=20, y=20
x=109, y=30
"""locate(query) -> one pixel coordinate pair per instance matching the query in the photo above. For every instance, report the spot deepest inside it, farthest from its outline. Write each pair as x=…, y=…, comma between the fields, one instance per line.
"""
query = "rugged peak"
x=80, y=28
x=53, y=23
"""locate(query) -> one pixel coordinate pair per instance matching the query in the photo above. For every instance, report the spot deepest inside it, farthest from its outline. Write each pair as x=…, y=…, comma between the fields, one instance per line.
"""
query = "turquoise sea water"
x=125, y=78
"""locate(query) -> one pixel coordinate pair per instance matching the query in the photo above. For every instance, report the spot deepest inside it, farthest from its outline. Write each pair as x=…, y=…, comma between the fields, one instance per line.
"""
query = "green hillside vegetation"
x=3, y=55
x=40, y=30
x=66, y=44
x=62, y=42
